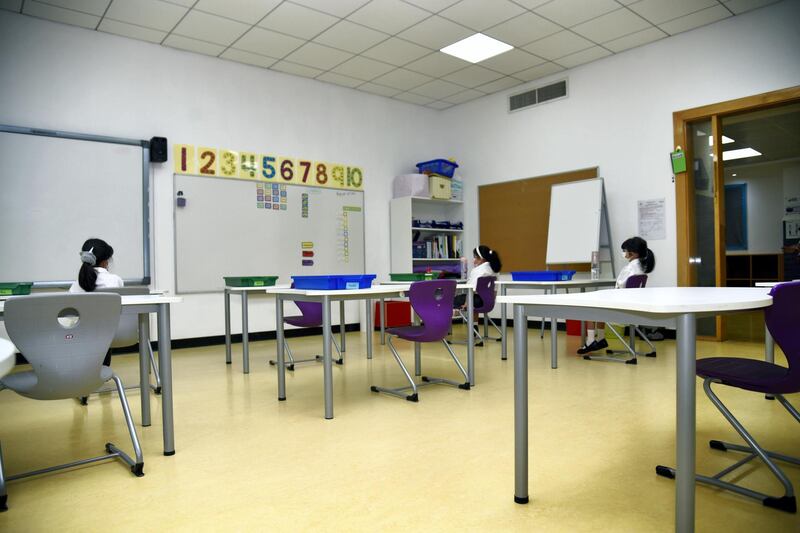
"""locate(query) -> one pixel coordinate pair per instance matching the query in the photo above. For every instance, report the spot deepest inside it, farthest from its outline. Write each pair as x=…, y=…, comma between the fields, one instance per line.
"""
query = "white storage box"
x=457, y=189
x=440, y=187
x=411, y=185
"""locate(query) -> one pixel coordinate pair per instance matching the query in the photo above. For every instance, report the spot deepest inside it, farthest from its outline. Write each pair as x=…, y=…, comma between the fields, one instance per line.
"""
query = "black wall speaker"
x=158, y=149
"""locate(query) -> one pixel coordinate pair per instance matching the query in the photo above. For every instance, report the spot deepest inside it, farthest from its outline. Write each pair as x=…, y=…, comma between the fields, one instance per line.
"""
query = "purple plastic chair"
x=433, y=303
x=485, y=288
x=638, y=281
x=782, y=318
x=311, y=317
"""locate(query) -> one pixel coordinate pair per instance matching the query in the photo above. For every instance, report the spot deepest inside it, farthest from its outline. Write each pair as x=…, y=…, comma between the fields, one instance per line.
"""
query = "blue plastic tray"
x=443, y=167
x=338, y=282
x=543, y=275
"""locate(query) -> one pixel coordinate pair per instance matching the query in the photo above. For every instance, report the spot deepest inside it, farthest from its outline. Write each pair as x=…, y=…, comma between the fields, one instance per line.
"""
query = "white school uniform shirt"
x=484, y=269
x=105, y=280
x=633, y=268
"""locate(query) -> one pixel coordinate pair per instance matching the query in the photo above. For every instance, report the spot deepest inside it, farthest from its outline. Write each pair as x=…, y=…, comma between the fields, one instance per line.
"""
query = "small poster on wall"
x=652, y=219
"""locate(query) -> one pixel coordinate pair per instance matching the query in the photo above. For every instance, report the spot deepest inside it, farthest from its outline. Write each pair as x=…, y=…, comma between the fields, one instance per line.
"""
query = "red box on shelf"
x=398, y=314
x=574, y=328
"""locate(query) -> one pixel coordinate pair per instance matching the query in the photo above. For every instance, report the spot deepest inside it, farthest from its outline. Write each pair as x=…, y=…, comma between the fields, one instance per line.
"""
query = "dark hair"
x=102, y=251
x=638, y=246
x=484, y=252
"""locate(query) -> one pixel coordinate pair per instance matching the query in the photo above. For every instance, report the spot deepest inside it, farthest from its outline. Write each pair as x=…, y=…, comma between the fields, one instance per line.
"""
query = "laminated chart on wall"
x=238, y=227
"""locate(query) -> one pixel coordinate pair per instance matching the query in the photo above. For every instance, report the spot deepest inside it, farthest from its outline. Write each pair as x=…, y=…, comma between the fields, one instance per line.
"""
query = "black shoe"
x=593, y=347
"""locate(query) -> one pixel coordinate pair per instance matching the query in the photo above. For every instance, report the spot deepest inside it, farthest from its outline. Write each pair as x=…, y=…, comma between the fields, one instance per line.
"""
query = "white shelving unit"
x=403, y=211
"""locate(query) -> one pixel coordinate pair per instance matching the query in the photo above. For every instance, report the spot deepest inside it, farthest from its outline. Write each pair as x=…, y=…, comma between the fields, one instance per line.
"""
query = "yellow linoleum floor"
x=246, y=462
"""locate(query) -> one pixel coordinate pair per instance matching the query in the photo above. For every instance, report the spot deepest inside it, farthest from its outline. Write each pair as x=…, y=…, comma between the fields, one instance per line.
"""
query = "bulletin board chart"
x=245, y=227
x=224, y=163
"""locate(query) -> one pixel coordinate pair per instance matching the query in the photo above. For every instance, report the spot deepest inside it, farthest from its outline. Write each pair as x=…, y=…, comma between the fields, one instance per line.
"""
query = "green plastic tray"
x=416, y=276
x=250, y=281
x=16, y=288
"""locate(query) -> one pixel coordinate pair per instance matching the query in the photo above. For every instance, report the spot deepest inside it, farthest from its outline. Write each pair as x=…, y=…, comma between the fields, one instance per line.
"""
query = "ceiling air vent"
x=538, y=96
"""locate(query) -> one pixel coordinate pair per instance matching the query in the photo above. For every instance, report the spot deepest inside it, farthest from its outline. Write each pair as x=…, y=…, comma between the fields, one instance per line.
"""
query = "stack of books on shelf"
x=438, y=247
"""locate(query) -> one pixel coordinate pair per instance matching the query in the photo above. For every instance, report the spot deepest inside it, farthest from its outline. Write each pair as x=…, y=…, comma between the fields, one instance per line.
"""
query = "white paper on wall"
x=652, y=219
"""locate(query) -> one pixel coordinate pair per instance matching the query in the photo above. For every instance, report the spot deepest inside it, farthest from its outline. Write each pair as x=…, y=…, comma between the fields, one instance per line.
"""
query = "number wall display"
x=224, y=163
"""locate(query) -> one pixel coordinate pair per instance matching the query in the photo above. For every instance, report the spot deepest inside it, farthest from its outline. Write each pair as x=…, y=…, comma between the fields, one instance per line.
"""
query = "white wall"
x=618, y=116
x=68, y=78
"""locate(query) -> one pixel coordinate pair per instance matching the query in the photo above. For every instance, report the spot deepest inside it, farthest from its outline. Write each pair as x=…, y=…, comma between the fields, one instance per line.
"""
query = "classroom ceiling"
x=390, y=47
x=773, y=132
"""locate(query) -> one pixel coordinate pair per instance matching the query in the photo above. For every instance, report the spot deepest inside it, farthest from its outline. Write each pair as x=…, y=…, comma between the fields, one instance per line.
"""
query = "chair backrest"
x=433, y=302
x=638, y=281
x=128, y=329
x=66, y=355
x=312, y=311
x=484, y=287
x=783, y=319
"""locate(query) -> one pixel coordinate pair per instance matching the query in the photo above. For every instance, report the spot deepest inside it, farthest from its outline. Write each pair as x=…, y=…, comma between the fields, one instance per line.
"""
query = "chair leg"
x=465, y=385
x=610, y=353
x=317, y=358
x=787, y=502
x=3, y=494
x=414, y=397
x=154, y=367
x=499, y=331
x=475, y=328
x=136, y=467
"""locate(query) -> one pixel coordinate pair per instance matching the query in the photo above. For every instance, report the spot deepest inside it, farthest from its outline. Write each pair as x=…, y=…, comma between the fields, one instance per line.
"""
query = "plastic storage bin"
x=398, y=314
x=440, y=187
x=543, y=275
x=410, y=185
x=443, y=167
x=415, y=276
x=250, y=281
x=357, y=281
x=15, y=288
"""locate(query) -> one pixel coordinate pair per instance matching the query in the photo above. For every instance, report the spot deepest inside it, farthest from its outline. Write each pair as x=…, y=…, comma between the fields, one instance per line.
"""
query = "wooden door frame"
x=684, y=202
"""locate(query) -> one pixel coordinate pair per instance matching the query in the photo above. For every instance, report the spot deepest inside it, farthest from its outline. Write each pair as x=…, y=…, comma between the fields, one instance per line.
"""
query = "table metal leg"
x=583, y=326
x=417, y=347
x=165, y=368
x=685, y=467
x=470, y=338
x=541, y=324
x=227, y=326
x=370, y=327
x=326, y=355
x=520, y=405
x=279, y=339
x=245, y=336
x=503, y=326
x=383, y=321
x=342, y=327
x=553, y=342
x=144, y=366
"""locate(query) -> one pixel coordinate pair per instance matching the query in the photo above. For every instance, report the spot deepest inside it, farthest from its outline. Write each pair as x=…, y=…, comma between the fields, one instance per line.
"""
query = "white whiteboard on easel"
x=576, y=211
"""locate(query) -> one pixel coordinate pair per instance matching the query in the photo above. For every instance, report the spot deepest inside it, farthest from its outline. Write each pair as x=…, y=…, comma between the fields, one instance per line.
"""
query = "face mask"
x=625, y=255
x=110, y=264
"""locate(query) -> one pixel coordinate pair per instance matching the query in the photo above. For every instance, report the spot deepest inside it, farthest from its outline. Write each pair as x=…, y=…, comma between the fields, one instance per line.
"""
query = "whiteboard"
x=222, y=231
x=576, y=209
x=58, y=192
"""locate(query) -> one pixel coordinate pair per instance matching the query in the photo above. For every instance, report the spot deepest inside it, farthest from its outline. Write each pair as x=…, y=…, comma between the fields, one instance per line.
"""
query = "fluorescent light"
x=739, y=154
x=725, y=140
x=476, y=48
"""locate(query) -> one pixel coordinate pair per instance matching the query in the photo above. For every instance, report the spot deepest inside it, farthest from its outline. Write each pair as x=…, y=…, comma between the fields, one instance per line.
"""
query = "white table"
x=675, y=306
x=8, y=356
x=325, y=297
x=553, y=287
x=143, y=305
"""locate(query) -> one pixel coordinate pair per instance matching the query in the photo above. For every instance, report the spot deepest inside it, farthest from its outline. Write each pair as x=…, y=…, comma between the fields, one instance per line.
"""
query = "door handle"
x=695, y=260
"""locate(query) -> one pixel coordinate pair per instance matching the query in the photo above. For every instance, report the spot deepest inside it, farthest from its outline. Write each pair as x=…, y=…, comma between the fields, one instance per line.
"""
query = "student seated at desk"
x=486, y=263
x=641, y=260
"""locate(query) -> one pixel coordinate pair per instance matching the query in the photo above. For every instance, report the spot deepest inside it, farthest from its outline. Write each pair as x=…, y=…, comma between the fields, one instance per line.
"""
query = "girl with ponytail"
x=95, y=255
x=486, y=263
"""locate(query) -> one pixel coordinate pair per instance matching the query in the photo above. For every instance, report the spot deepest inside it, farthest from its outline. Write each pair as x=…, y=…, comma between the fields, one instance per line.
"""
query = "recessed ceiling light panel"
x=476, y=48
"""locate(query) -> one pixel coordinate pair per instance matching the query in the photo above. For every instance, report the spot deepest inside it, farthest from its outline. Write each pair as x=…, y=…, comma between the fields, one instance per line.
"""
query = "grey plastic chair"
x=65, y=338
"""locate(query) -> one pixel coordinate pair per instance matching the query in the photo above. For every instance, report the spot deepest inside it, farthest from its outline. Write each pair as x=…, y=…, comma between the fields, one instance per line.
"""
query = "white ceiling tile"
x=627, y=2
x=512, y=61
x=351, y=37
x=11, y=5
x=558, y=45
x=318, y=56
x=363, y=68
x=584, y=56
x=338, y=79
x=480, y=14
x=389, y=16
x=436, y=33
x=439, y=105
x=402, y=79
x=147, y=13
x=635, y=39
x=193, y=45
x=438, y=89
x=131, y=31
x=658, y=11
x=695, y=20
x=473, y=76
x=248, y=57
x=531, y=4
x=464, y=96
x=185, y=3
x=339, y=8
x=611, y=26
x=437, y=64
x=58, y=14
x=211, y=28
x=412, y=98
x=523, y=29
x=741, y=6
x=267, y=42
x=91, y=7
x=499, y=85
x=434, y=6
x=249, y=11
x=539, y=71
x=297, y=21
x=571, y=12
x=379, y=89
x=296, y=70
x=396, y=51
